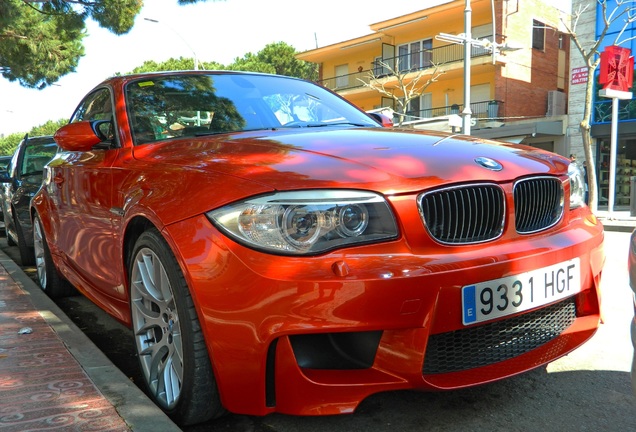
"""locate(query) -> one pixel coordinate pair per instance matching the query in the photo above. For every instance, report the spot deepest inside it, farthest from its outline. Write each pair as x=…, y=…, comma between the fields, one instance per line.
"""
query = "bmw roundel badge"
x=488, y=163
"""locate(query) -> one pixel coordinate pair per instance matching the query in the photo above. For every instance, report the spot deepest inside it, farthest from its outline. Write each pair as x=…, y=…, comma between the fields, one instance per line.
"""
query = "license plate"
x=485, y=301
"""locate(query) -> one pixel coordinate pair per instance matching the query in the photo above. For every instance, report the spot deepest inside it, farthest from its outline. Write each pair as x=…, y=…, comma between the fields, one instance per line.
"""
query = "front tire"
x=51, y=282
x=168, y=337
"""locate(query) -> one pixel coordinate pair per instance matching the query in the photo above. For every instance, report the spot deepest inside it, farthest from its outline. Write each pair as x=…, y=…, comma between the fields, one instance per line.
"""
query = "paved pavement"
x=52, y=377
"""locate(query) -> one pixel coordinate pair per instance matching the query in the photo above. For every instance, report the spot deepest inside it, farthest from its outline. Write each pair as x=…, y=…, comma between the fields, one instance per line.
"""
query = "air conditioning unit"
x=556, y=103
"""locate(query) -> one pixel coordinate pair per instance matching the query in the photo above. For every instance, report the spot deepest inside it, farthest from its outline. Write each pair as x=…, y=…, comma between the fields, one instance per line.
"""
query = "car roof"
x=123, y=79
x=40, y=139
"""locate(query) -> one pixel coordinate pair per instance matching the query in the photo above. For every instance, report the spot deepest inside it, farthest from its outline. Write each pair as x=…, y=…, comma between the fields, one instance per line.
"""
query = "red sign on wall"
x=579, y=75
x=617, y=68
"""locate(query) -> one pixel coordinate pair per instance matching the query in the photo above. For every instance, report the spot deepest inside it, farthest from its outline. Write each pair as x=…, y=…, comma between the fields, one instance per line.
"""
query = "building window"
x=342, y=77
x=420, y=107
x=538, y=35
x=413, y=109
x=415, y=55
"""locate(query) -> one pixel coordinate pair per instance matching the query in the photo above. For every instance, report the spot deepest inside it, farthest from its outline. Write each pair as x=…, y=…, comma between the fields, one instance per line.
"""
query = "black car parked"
x=21, y=181
x=4, y=165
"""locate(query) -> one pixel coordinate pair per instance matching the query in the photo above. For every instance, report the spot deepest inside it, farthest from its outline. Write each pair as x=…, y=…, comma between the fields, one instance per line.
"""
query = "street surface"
x=588, y=390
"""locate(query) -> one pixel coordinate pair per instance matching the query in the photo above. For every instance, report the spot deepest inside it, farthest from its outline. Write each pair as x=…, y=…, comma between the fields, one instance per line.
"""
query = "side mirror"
x=4, y=177
x=82, y=136
x=382, y=119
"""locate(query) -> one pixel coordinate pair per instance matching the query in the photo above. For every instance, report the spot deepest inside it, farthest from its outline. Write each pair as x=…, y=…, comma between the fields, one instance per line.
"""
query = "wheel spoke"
x=156, y=327
x=171, y=379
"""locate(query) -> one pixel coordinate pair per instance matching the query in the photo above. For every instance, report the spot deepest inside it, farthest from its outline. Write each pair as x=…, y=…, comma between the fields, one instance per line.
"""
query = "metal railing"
x=490, y=109
x=411, y=62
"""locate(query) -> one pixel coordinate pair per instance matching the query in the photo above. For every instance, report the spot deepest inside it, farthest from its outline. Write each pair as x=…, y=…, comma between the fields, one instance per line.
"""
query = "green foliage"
x=9, y=143
x=117, y=16
x=48, y=128
x=173, y=64
x=276, y=58
x=251, y=63
x=37, y=46
x=42, y=40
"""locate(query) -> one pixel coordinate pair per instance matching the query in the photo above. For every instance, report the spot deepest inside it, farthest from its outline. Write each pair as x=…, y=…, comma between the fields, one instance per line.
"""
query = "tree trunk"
x=586, y=134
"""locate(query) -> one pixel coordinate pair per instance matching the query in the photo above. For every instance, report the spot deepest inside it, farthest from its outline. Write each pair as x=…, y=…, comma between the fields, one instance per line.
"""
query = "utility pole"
x=467, y=113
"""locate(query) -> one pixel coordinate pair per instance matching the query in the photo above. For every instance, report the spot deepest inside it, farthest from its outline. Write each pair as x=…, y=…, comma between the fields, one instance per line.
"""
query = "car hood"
x=385, y=160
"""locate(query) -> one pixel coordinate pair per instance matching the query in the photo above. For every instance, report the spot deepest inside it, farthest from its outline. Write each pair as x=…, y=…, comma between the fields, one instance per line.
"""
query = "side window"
x=97, y=106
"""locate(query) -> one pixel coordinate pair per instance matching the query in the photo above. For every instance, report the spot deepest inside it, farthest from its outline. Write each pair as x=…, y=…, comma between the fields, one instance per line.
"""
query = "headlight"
x=307, y=222
x=577, y=186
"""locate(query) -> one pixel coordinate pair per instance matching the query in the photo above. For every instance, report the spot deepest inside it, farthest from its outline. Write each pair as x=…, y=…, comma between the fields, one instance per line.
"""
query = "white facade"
x=586, y=31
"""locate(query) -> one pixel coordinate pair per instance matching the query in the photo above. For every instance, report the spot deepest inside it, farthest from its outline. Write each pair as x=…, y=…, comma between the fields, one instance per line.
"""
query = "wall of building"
x=576, y=96
x=529, y=74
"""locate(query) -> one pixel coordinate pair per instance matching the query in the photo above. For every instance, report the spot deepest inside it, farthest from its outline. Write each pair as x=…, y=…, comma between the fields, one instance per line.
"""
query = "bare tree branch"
x=402, y=86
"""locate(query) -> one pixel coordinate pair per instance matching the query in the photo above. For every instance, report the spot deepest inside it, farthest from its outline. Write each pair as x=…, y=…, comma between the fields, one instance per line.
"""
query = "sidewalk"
x=617, y=221
x=52, y=377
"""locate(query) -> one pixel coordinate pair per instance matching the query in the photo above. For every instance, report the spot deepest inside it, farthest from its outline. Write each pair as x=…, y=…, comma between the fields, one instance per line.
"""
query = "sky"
x=219, y=31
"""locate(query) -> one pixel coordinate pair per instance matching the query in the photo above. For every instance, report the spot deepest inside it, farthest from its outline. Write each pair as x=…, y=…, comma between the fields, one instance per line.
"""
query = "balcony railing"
x=411, y=62
x=490, y=109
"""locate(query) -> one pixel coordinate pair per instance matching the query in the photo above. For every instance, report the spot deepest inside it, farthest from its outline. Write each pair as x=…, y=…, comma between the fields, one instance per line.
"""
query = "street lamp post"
x=467, y=40
x=467, y=113
x=196, y=61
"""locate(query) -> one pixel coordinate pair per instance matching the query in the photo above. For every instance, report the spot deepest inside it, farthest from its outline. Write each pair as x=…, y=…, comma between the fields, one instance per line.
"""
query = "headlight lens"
x=307, y=222
x=577, y=186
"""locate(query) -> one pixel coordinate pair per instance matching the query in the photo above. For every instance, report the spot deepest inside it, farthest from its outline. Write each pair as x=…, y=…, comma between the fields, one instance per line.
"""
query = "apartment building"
x=518, y=93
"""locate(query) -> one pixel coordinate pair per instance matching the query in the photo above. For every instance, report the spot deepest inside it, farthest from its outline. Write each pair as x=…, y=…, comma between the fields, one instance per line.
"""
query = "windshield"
x=200, y=104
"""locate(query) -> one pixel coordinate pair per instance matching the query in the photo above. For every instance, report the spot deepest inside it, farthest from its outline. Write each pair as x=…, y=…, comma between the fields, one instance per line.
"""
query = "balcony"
x=480, y=110
x=411, y=62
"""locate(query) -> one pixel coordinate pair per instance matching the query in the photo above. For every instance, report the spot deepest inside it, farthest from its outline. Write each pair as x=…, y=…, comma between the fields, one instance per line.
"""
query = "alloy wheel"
x=157, y=328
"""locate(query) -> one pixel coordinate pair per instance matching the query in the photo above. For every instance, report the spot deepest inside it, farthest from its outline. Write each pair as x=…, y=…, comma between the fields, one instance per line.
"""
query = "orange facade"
x=530, y=62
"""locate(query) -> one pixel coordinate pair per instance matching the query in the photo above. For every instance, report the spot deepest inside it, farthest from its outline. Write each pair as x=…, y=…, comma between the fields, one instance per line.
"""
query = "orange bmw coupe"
x=276, y=249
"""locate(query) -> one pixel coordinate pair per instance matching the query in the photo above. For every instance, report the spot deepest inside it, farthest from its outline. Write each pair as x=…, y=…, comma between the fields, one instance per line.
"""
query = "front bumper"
x=317, y=335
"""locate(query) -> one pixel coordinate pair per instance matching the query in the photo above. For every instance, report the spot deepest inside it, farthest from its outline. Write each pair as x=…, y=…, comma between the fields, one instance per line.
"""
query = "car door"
x=7, y=193
x=84, y=197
